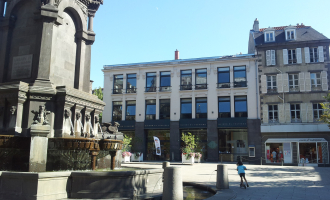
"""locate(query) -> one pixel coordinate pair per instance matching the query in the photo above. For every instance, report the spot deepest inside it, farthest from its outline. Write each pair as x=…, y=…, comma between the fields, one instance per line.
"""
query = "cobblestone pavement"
x=266, y=182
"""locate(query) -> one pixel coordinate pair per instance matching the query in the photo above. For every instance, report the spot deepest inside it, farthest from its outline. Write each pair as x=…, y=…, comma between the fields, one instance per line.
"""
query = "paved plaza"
x=266, y=181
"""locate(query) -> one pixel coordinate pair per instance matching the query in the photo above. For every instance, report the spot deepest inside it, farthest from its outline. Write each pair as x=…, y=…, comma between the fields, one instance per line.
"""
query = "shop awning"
x=284, y=140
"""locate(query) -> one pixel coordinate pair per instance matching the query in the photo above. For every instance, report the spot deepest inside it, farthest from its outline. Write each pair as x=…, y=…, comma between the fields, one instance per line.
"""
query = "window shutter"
x=307, y=56
x=303, y=112
x=287, y=113
x=281, y=117
x=279, y=83
x=321, y=55
x=308, y=82
x=299, y=60
x=263, y=84
x=285, y=83
x=265, y=113
x=285, y=56
x=268, y=61
x=273, y=57
x=324, y=80
x=310, y=114
x=302, y=82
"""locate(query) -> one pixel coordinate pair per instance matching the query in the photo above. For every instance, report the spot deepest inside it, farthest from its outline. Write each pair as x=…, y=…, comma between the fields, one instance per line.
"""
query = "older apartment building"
x=293, y=76
x=214, y=98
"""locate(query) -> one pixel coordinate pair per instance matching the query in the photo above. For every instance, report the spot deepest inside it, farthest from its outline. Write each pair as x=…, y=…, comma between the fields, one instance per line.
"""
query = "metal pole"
x=282, y=162
x=221, y=158
x=261, y=161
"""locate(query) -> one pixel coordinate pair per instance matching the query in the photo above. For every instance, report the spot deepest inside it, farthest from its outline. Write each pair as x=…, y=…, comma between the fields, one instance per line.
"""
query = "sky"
x=133, y=31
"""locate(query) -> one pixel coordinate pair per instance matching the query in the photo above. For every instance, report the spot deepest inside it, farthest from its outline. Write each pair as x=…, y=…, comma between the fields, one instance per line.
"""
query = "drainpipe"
x=282, y=95
x=257, y=89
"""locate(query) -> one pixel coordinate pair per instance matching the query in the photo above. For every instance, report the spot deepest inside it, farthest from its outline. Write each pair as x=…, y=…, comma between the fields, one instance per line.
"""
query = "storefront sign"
x=157, y=124
x=126, y=125
x=193, y=123
x=157, y=145
x=232, y=122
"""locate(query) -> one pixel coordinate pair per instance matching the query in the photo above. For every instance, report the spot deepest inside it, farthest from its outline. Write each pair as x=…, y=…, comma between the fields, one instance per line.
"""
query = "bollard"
x=261, y=161
x=172, y=187
x=222, y=177
x=166, y=164
x=221, y=158
x=282, y=162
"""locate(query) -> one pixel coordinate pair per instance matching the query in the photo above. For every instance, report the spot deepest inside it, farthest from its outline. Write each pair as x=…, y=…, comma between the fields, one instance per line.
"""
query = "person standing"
x=274, y=156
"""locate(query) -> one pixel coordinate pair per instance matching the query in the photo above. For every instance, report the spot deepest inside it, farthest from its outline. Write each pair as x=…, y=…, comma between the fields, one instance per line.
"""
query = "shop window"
x=116, y=111
x=240, y=76
x=223, y=77
x=233, y=144
x=271, y=84
x=201, y=107
x=316, y=82
x=164, y=138
x=201, y=79
x=130, y=110
x=272, y=113
x=131, y=83
x=186, y=80
x=274, y=152
x=308, y=152
x=150, y=109
x=295, y=113
x=118, y=84
x=164, y=108
x=151, y=82
x=224, y=107
x=318, y=111
x=186, y=109
x=240, y=106
x=293, y=83
x=200, y=139
x=165, y=81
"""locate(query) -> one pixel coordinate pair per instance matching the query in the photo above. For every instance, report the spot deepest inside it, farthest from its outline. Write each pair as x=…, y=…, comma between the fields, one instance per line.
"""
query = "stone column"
x=222, y=177
x=16, y=114
x=94, y=154
x=212, y=141
x=2, y=113
x=91, y=16
x=38, y=147
x=175, y=136
x=113, y=160
x=172, y=188
x=2, y=6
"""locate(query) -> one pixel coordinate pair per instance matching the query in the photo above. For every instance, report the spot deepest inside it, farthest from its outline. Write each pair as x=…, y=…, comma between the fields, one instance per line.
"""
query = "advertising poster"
x=157, y=145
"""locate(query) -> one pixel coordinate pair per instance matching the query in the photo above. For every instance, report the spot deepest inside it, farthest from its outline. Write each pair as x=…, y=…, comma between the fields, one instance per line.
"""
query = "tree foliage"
x=189, y=143
x=99, y=93
x=126, y=143
x=325, y=117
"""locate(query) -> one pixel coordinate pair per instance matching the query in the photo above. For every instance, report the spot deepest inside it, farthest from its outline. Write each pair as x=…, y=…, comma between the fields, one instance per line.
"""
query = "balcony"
x=316, y=88
x=131, y=90
x=240, y=84
x=165, y=88
x=200, y=86
x=117, y=91
x=150, y=89
x=185, y=87
x=223, y=85
x=295, y=120
x=271, y=90
x=294, y=89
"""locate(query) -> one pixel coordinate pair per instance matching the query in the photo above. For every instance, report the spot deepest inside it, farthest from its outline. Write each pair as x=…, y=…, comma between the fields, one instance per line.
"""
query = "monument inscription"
x=22, y=66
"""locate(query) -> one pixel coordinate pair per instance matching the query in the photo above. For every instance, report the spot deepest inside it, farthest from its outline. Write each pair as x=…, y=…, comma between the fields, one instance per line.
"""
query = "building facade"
x=293, y=75
x=214, y=98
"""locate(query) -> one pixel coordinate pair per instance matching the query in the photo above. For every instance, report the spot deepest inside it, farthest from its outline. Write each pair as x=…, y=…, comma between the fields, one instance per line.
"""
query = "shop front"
x=297, y=150
x=200, y=139
x=233, y=144
x=164, y=138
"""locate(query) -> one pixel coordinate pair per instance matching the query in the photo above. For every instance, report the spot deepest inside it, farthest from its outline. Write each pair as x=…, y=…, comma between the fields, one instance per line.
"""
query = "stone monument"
x=45, y=63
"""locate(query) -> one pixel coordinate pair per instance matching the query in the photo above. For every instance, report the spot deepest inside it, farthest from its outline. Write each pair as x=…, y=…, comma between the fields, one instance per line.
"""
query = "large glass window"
x=240, y=76
x=201, y=79
x=295, y=113
x=318, y=111
x=233, y=144
x=118, y=84
x=186, y=109
x=292, y=59
x=164, y=109
x=240, y=106
x=130, y=110
x=272, y=113
x=313, y=55
x=165, y=81
x=293, y=83
x=201, y=107
x=151, y=82
x=223, y=77
x=200, y=139
x=186, y=80
x=131, y=83
x=151, y=109
x=316, y=81
x=117, y=111
x=271, y=84
x=224, y=107
x=164, y=138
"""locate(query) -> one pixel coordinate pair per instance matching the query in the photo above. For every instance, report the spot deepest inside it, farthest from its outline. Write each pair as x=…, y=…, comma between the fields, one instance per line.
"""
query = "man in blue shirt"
x=241, y=171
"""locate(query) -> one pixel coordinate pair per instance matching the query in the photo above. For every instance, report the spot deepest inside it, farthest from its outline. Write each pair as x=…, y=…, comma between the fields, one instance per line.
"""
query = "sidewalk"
x=266, y=182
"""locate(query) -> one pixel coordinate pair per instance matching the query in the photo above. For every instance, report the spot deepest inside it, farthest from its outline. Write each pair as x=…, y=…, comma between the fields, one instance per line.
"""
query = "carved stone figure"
x=12, y=109
x=67, y=113
x=41, y=116
x=113, y=129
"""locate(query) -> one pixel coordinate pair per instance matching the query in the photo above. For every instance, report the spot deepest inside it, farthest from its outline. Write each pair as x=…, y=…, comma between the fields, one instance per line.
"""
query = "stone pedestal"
x=38, y=148
x=222, y=177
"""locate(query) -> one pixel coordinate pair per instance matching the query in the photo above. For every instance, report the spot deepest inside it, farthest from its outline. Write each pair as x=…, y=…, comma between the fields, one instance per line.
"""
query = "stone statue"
x=12, y=109
x=113, y=129
x=41, y=116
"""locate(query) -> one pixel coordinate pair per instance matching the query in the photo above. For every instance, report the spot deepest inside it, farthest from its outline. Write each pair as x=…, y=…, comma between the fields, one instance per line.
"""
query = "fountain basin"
x=91, y=185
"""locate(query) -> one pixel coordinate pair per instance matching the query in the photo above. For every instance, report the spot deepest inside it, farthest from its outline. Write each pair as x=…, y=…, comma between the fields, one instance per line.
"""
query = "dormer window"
x=290, y=33
x=269, y=37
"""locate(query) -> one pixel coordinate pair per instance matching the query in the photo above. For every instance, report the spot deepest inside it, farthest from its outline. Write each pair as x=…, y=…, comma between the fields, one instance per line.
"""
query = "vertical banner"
x=157, y=145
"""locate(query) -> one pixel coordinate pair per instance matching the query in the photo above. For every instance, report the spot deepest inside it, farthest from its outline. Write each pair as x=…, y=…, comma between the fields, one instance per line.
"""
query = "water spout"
x=72, y=133
x=101, y=130
x=91, y=129
x=82, y=128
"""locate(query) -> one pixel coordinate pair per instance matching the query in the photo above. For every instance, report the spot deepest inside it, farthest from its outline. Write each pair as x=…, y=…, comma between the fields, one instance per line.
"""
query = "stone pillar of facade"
x=140, y=134
x=254, y=138
x=175, y=138
x=2, y=6
x=212, y=141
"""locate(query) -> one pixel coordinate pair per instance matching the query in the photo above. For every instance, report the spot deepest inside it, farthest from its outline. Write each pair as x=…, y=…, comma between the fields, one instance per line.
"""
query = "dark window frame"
x=130, y=117
x=163, y=88
x=154, y=76
x=224, y=114
x=187, y=86
x=240, y=114
x=117, y=117
x=185, y=116
x=204, y=85
x=240, y=83
x=161, y=116
x=130, y=90
x=118, y=90
x=150, y=116
x=200, y=114
x=223, y=84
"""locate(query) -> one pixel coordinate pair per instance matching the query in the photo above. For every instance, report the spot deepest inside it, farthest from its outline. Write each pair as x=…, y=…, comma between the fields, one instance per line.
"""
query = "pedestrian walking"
x=241, y=171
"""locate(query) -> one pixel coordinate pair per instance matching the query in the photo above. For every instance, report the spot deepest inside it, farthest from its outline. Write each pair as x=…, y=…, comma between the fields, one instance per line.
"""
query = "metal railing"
x=117, y=91
x=131, y=90
x=316, y=88
x=294, y=89
x=223, y=85
x=150, y=89
x=271, y=90
x=295, y=120
x=165, y=88
x=200, y=86
x=240, y=84
x=185, y=87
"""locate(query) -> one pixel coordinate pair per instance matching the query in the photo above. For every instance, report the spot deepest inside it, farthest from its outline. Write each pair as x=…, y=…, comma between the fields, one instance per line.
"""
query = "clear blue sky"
x=131, y=31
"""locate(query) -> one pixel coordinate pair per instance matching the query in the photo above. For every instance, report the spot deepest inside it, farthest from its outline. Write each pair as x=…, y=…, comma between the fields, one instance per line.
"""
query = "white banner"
x=157, y=145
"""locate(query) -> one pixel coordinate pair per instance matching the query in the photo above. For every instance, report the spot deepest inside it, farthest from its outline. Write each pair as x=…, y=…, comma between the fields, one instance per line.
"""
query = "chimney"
x=256, y=25
x=176, y=57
